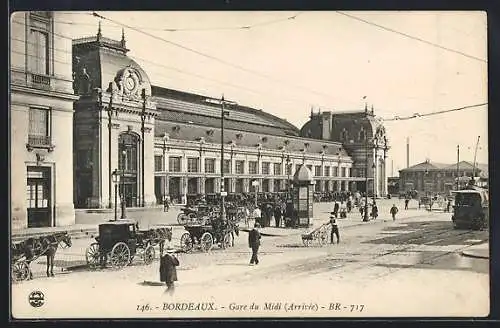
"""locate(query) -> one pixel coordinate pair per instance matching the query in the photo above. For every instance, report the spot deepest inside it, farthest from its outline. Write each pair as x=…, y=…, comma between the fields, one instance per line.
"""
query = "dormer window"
x=210, y=132
x=264, y=139
x=362, y=134
x=176, y=128
x=239, y=136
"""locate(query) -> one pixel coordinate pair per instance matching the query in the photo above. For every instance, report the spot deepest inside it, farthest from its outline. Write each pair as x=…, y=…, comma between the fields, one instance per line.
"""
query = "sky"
x=286, y=63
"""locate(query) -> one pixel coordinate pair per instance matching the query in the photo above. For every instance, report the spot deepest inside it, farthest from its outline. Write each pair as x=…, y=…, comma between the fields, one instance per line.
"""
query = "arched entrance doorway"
x=127, y=164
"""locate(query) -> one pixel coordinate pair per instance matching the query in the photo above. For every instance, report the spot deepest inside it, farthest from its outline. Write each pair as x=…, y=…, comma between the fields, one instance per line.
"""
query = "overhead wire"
x=396, y=118
x=227, y=28
x=412, y=37
x=214, y=58
x=417, y=115
x=166, y=67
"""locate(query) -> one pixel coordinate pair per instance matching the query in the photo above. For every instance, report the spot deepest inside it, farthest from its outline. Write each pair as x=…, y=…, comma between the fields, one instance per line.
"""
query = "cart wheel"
x=182, y=218
x=186, y=242
x=92, y=255
x=20, y=271
x=228, y=240
x=322, y=238
x=307, y=242
x=149, y=254
x=206, y=241
x=120, y=255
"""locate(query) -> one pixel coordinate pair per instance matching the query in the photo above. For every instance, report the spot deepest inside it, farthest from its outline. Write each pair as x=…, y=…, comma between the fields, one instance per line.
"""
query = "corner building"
x=182, y=138
x=41, y=120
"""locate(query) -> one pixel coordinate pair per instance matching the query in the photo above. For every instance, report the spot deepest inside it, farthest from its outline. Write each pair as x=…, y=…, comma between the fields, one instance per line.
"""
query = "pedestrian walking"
x=406, y=203
x=343, y=210
x=336, y=209
x=166, y=204
x=254, y=243
x=448, y=205
x=277, y=215
x=374, y=210
x=394, y=211
x=168, y=271
x=362, y=211
x=335, y=230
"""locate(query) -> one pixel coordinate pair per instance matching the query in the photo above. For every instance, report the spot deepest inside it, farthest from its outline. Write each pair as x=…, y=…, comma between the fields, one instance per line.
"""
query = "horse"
x=36, y=247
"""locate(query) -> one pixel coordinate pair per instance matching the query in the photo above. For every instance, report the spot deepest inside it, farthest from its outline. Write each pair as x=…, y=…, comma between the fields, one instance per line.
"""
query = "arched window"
x=362, y=134
x=127, y=146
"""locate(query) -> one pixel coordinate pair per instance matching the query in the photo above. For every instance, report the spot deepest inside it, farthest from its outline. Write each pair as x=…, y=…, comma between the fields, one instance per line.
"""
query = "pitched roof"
x=192, y=132
x=462, y=166
x=179, y=105
x=427, y=165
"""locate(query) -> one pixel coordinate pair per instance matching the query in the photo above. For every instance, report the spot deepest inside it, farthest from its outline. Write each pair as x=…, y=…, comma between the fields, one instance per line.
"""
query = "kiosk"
x=302, y=197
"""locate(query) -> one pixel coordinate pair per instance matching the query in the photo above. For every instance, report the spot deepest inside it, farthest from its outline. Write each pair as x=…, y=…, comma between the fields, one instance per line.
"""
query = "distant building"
x=41, y=120
x=430, y=177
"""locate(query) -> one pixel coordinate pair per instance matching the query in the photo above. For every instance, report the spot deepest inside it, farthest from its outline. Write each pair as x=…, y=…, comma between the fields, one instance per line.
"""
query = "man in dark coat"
x=168, y=271
x=336, y=209
x=254, y=243
x=277, y=214
x=335, y=230
x=407, y=200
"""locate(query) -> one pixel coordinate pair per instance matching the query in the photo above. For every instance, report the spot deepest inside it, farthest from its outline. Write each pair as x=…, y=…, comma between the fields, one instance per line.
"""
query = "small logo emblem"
x=36, y=298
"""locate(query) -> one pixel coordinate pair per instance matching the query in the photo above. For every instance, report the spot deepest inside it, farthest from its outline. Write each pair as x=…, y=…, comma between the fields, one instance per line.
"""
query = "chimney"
x=407, y=152
x=326, y=126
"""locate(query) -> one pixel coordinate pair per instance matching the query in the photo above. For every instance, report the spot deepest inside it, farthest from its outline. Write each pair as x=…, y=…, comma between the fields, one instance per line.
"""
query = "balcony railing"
x=36, y=141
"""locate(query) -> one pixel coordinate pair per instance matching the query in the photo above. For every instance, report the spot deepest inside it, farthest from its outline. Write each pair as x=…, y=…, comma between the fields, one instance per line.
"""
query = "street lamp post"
x=143, y=119
x=165, y=137
x=365, y=212
x=288, y=169
x=116, y=180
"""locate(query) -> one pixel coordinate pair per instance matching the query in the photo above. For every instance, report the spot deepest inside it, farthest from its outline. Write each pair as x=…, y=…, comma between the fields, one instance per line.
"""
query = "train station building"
x=150, y=141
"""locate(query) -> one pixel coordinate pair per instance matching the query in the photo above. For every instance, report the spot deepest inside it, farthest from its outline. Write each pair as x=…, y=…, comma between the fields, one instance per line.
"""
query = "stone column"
x=246, y=185
x=184, y=186
x=232, y=185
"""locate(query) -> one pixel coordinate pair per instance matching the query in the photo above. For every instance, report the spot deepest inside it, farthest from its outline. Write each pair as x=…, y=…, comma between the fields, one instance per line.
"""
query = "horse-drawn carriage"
x=320, y=235
x=207, y=234
x=120, y=241
x=194, y=214
x=30, y=249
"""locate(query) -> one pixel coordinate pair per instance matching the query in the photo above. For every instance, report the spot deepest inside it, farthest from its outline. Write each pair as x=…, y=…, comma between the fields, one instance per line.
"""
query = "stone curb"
x=478, y=254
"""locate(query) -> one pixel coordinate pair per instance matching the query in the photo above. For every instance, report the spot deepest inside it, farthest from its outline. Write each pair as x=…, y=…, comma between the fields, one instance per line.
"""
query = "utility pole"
x=224, y=113
x=407, y=152
x=474, y=166
x=458, y=163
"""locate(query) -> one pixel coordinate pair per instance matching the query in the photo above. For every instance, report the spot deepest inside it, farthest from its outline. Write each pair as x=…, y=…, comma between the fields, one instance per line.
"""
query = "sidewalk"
x=481, y=251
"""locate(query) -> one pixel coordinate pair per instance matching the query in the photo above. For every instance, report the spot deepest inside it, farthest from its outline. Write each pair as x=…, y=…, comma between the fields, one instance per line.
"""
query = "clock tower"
x=113, y=126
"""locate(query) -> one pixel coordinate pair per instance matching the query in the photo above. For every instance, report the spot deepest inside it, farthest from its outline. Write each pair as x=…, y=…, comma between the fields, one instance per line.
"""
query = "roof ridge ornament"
x=99, y=34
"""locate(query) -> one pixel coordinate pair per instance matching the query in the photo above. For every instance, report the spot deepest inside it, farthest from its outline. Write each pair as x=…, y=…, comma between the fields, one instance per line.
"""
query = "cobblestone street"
x=417, y=257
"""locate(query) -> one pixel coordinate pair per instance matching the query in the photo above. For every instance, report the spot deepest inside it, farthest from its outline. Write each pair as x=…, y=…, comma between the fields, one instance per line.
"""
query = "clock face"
x=130, y=83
